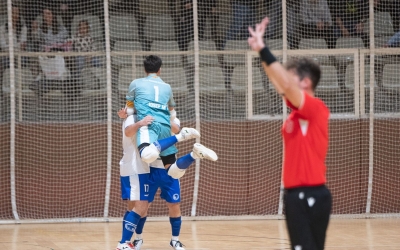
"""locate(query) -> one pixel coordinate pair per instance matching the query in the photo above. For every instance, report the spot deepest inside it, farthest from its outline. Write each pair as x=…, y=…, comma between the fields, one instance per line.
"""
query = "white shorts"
x=135, y=187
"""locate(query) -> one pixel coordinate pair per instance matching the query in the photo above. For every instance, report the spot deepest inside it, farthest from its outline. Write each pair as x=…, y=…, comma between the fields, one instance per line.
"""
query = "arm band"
x=267, y=56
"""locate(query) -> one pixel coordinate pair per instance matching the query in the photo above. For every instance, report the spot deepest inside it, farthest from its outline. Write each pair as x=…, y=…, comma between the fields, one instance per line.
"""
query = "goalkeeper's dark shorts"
x=307, y=216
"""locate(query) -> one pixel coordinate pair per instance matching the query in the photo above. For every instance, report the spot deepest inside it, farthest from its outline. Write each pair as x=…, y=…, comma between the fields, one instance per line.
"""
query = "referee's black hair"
x=152, y=64
x=305, y=67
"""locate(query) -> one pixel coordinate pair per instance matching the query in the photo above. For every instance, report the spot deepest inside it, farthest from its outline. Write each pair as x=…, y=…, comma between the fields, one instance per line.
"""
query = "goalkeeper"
x=151, y=96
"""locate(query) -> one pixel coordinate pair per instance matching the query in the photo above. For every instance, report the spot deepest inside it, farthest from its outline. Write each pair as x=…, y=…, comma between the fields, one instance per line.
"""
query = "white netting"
x=60, y=92
x=385, y=198
x=61, y=106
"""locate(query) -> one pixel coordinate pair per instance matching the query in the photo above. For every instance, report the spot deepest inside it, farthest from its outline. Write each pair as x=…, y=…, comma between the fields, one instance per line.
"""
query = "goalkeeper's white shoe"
x=202, y=152
x=187, y=133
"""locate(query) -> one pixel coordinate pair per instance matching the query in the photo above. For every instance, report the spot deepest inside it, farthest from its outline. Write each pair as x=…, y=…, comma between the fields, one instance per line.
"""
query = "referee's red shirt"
x=305, y=136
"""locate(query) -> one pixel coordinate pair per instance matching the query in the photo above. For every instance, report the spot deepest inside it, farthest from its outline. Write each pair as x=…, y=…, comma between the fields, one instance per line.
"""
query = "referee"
x=305, y=135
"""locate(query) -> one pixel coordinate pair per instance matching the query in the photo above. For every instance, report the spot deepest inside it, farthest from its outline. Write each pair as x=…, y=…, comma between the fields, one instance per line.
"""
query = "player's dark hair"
x=152, y=64
x=305, y=67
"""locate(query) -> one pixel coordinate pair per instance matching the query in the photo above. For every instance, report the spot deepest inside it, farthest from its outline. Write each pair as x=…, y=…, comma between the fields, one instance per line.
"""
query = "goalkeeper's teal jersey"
x=151, y=96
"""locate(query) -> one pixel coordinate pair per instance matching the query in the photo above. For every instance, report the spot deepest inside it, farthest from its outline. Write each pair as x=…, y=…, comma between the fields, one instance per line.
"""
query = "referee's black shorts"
x=307, y=216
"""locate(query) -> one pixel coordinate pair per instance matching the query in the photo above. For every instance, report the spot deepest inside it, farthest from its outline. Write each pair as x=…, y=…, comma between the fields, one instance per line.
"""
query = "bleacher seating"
x=175, y=77
x=383, y=24
x=391, y=76
x=380, y=41
x=125, y=76
x=205, y=59
x=212, y=80
x=274, y=44
x=346, y=43
x=329, y=78
x=236, y=45
x=159, y=27
x=239, y=79
x=349, y=78
x=22, y=76
x=309, y=43
x=123, y=27
x=124, y=60
x=174, y=60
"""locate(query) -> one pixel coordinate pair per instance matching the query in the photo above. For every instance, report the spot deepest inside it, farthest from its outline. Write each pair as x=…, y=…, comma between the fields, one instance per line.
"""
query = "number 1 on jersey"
x=156, y=93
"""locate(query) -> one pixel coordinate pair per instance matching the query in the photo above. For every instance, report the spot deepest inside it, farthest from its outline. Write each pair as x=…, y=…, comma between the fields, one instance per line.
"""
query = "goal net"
x=66, y=75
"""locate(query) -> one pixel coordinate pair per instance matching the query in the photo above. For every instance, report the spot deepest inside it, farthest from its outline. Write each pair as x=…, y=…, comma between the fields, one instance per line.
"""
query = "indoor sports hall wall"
x=244, y=181
x=60, y=136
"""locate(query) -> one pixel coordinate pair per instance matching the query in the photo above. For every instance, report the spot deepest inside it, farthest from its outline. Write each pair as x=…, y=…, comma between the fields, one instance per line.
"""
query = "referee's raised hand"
x=256, y=40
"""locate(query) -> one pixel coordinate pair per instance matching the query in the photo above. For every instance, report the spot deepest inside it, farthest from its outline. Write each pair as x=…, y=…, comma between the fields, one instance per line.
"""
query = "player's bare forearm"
x=283, y=82
x=175, y=128
x=280, y=77
x=132, y=129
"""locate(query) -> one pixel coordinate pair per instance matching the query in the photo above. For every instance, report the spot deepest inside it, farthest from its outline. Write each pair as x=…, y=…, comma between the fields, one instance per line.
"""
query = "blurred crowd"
x=46, y=26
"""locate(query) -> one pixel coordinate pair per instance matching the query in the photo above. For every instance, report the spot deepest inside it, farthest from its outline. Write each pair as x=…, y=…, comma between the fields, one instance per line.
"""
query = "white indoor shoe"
x=138, y=244
x=188, y=133
x=202, y=152
x=125, y=246
x=177, y=245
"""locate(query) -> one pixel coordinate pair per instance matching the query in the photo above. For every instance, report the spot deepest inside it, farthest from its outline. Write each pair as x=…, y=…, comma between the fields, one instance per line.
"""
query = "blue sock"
x=184, y=162
x=140, y=225
x=130, y=222
x=163, y=144
x=123, y=219
x=175, y=225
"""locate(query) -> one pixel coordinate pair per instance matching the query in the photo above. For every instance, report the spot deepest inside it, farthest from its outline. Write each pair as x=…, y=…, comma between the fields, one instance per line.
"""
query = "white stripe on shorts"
x=144, y=135
x=135, y=188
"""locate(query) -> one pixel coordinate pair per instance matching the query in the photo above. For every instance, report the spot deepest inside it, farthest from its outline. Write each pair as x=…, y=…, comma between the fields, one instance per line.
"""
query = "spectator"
x=19, y=33
x=293, y=21
x=394, y=41
x=185, y=34
x=394, y=9
x=50, y=36
x=185, y=28
x=208, y=10
x=243, y=12
x=30, y=11
x=67, y=9
x=83, y=42
x=350, y=17
x=34, y=42
x=243, y=16
x=274, y=13
x=133, y=7
x=19, y=37
x=19, y=42
x=52, y=33
x=316, y=21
